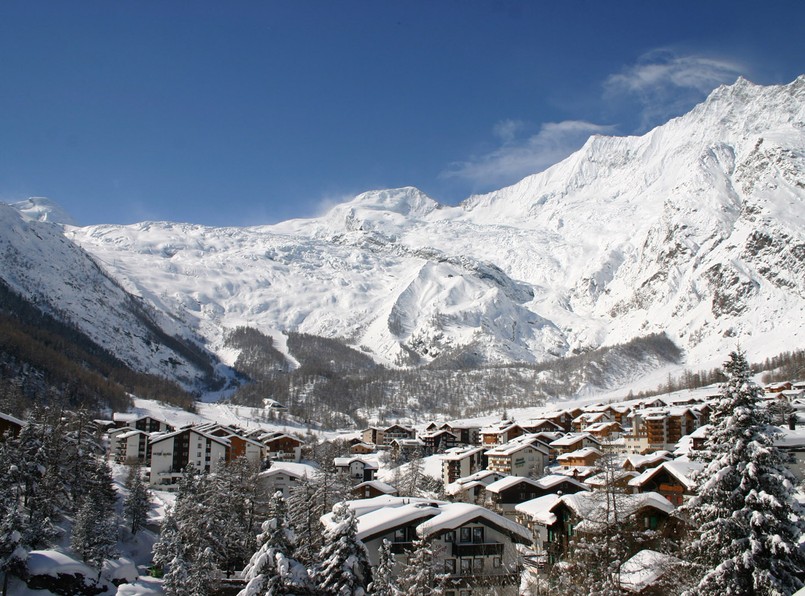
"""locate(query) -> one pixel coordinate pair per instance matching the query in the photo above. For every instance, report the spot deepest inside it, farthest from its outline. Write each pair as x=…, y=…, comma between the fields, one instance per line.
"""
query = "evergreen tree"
x=384, y=582
x=271, y=571
x=748, y=522
x=418, y=577
x=344, y=569
x=138, y=501
x=304, y=511
x=94, y=535
x=189, y=530
x=12, y=553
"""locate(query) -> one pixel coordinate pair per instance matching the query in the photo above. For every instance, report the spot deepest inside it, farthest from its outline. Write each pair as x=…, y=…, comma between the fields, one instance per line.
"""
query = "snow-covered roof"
x=583, y=452
x=644, y=569
x=345, y=462
x=513, y=447
x=539, y=509
x=378, y=485
x=158, y=437
x=679, y=469
x=551, y=480
x=291, y=468
x=510, y=481
x=459, y=453
x=12, y=419
x=592, y=507
x=385, y=513
x=455, y=515
x=643, y=460
x=53, y=563
x=571, y=438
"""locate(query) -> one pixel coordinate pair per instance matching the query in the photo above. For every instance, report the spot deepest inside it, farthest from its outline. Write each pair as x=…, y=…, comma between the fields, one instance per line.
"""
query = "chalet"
x=501, y=433
x=474, y=548
x=502, y=495
x=559, y=484
x=358, y=470
x=282, y=476
x=282, y=447
x=462, y=461
x=397, y=431
x=574, y=442
x=523, y=456
x=562, y=418
x=438, y=441
x=605, y=430
x=10, y=426
x=640, y=463
x=466, y=433
x=361, y=448
x=373, y=488
x=372, y=435
x=616, y=478
x=581, y=422
x=407, y=449
x=469, y=489
x=587, y=456
x=555, y=520
x=172, y=452
x=541, y=425
x=671, y=479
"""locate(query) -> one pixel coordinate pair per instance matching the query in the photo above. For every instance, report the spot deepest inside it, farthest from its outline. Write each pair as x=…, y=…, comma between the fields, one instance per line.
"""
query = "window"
x=651, y=522
x=450, y=566
x=399, y=535
x=478, y=565
x=466, y=535
x=465, y=593
x=466, y=566
x=477, y=534
x=497, y=562
x=450, y=537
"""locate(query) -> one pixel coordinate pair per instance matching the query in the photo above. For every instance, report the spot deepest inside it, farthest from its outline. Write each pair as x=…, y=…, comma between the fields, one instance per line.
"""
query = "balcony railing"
x=477, y=549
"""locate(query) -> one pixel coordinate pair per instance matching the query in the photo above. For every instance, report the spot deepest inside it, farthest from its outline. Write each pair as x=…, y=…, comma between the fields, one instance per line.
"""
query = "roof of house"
x=383, y=514
x=12, y=419
x=571, y=438
x=378, y=486
x=459, y=453
x=291, y=468
x=679, y=469
x=508, y=482
x=344, y=462
x=644, y=569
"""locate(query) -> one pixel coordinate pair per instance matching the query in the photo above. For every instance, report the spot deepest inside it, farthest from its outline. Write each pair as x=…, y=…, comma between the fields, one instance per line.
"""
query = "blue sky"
x=241, y=113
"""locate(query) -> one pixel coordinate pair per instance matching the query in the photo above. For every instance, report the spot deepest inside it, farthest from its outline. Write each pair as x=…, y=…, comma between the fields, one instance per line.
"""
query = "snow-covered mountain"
x=39, y=263
x=695, y=229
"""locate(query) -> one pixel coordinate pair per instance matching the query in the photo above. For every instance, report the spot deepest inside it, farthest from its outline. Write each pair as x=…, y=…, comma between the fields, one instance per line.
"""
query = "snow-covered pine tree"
x=94, y=535
x=748, y=524
x=12, y=553
x=271, y=571
x=344, y=569
x=384, y=581
x=138, y=501
x=235, y=486
x=304, y=512
x=419, y=577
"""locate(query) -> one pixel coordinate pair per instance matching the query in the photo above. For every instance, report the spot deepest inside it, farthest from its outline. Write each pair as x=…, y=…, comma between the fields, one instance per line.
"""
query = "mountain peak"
x=408, y=201
x=43, y=209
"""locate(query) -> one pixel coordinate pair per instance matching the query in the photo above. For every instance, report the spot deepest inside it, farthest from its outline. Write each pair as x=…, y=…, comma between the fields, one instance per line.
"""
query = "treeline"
x=41, y=356
x=787, y=366
x=337, y=386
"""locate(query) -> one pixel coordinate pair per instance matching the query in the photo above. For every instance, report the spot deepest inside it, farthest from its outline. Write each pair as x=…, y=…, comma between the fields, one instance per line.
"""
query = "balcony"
x=477, y=549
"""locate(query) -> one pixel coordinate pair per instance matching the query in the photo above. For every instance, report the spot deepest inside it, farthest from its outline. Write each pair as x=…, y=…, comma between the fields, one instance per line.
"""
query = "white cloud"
x=516, y=157
x=667, y=84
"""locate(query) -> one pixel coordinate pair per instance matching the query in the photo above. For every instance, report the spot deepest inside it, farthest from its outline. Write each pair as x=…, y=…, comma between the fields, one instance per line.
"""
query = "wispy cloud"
x=517, y=157
x=666, y=83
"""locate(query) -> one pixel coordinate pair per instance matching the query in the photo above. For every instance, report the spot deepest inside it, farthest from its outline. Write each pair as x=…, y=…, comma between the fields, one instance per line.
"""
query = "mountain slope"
x=58, y=277
x=695, y=229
